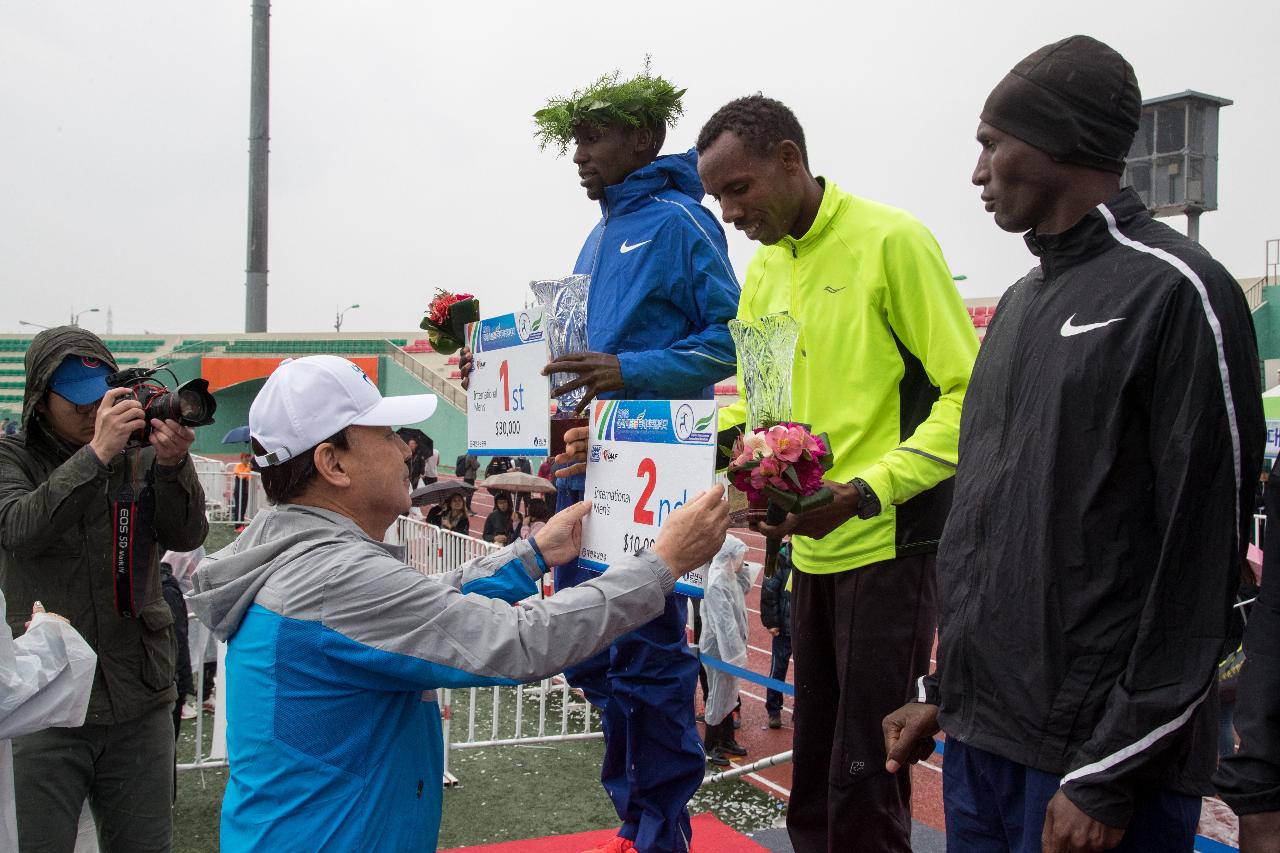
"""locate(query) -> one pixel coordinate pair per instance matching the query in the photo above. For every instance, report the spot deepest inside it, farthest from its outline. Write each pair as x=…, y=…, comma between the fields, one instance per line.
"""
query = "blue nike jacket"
x=662, y=289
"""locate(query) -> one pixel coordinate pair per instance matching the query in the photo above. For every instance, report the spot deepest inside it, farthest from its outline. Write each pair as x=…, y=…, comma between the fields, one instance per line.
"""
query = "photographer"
x=67, y=481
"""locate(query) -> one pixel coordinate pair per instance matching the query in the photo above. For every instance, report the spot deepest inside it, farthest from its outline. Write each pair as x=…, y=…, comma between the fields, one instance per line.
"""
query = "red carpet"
x=709, y=836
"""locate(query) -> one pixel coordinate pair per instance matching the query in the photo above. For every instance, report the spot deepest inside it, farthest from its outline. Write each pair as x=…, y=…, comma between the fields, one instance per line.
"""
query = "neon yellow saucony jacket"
x=886, y=349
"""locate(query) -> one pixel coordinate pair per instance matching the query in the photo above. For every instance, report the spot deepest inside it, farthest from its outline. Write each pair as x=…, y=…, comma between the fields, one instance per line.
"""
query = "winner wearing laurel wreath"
x=662, y=292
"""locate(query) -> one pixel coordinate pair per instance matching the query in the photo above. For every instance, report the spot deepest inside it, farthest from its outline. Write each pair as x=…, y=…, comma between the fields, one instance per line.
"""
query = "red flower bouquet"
x=447, y=319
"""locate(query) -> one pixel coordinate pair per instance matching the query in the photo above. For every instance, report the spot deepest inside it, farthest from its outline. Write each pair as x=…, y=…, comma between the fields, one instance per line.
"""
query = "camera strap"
x=132, y=517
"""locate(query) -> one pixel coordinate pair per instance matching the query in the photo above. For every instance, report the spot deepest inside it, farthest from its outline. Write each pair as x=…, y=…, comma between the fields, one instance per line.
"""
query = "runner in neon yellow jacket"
x=873, y=278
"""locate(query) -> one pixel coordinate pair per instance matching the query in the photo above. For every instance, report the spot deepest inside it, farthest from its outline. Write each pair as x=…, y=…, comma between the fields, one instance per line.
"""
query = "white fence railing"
x=432, y=550
x=229, y=498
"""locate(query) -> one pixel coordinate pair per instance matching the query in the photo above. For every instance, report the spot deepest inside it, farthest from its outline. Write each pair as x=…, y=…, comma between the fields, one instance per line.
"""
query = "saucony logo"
x=624, y=248
x=1068, y=328
x=830, y=289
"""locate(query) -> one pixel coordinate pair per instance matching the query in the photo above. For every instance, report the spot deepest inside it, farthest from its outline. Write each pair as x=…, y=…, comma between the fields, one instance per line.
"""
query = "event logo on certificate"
x=509, y=401
x=645, y=459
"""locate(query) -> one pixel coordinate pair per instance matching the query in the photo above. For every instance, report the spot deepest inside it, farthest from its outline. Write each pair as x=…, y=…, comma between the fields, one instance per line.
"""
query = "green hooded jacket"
x=56, y=540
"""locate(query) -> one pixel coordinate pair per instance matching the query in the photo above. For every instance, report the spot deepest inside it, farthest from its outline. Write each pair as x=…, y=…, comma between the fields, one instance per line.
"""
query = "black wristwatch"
x=868, y=502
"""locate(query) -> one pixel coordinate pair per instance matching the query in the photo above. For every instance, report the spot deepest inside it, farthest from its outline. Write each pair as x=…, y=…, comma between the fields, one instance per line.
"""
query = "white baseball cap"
x=306, y=400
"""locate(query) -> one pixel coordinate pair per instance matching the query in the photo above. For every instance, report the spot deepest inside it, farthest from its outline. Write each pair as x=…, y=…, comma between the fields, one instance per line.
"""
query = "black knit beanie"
x=1077, y=100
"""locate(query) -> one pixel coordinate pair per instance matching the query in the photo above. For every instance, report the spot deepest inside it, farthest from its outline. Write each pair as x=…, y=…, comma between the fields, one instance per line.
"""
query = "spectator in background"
x=1232, y=662
x=498, y=465
x=451, y=515
x=546, y=470
x=538, y=515
x=200, y=647
x=521, y=464
x=503, y=521
x=1249, y=780
x=468, y=468
x=182, y=677
x=430, y=466
x=183, y=681
x=72, y=466
x=775, y=614
x=416, y=463
x=724, y=637
x=46, y=675
x=240, y=484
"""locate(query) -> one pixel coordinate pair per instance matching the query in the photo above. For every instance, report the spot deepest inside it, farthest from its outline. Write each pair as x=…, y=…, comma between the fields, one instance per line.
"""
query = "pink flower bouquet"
x=783, y=464
x=780, y=469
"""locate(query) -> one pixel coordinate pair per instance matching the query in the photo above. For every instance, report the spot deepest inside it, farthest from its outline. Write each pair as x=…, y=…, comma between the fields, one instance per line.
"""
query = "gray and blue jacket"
x=332, y=641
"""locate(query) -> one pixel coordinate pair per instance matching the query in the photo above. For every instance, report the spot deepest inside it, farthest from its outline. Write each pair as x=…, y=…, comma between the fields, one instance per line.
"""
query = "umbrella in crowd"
x=425, y=444
x=237, y=435
x=518, y=481
x=439, y=492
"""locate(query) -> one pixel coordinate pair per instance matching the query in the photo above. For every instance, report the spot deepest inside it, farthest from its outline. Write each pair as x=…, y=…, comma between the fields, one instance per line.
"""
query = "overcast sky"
x=402, y=155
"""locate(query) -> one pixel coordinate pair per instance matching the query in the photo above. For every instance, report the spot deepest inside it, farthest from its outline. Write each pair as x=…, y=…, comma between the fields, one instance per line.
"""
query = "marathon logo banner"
x=508, y=330
x=656, y=421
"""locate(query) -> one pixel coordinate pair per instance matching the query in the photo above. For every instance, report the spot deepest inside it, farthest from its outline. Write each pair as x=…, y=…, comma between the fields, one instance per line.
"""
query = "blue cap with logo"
x=80, y=379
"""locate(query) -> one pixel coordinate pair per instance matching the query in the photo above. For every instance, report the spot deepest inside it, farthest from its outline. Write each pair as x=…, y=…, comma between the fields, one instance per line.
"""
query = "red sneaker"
x=617, y=844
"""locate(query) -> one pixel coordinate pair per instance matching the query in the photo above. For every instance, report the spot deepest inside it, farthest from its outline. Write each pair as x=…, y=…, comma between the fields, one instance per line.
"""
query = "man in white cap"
x=333, y=743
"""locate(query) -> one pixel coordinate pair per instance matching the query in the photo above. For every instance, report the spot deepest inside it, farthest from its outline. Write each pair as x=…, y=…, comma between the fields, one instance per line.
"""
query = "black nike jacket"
x=1109, y=446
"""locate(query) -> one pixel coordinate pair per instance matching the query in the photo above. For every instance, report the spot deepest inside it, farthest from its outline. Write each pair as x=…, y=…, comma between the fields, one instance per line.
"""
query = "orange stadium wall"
x=225, y=372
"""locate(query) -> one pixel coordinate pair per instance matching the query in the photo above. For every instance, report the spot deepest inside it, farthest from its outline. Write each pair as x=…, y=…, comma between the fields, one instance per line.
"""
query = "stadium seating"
x=306, y=347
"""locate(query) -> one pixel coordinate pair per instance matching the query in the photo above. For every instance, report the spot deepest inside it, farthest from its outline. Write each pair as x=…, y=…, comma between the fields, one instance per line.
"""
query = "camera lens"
x=192, y=406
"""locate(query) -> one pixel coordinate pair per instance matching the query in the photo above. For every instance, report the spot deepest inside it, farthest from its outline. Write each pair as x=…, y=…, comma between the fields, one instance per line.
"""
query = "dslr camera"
x=191, y=405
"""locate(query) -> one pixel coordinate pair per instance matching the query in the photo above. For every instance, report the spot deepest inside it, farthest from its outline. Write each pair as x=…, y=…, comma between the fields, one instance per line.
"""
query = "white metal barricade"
x=229, y=498
x=217, y=755
x=432, y=550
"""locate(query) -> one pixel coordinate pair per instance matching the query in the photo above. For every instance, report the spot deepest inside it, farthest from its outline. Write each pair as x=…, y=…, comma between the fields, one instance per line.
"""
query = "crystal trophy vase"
x=564, y=311
x=766, y=352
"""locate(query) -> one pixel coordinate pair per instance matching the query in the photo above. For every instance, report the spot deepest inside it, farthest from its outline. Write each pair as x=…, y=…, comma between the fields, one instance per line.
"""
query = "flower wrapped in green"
x=447, y=319
x=642, y=101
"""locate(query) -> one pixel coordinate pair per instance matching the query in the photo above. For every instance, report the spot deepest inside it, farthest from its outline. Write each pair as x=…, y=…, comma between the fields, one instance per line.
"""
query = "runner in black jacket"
x=1109, y=445
x=1250, y=780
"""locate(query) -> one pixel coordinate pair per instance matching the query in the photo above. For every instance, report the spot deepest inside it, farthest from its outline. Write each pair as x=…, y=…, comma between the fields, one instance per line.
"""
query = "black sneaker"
x=717, y=757
x=775, y=721
x=732, y=747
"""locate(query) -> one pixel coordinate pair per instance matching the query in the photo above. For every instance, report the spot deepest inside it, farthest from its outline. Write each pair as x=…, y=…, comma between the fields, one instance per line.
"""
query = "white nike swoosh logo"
x=624, y=248
x=1068, y=329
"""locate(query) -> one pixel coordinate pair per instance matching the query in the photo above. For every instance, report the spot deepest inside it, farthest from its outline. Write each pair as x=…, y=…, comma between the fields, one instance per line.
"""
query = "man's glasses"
x=81, y=408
